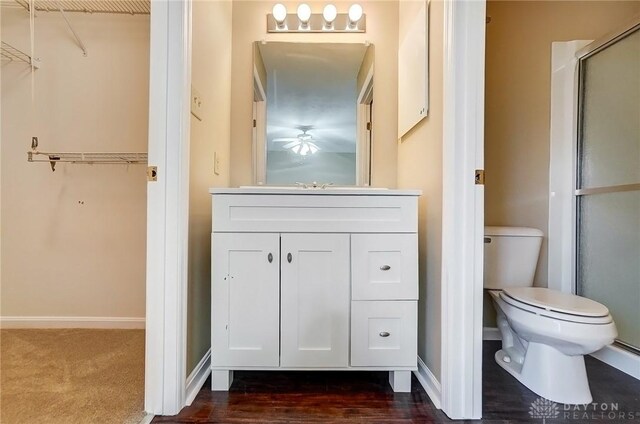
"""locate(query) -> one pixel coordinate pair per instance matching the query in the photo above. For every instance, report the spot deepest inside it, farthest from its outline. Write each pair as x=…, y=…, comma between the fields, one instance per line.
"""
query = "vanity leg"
x=221, y=380
x=400, y=381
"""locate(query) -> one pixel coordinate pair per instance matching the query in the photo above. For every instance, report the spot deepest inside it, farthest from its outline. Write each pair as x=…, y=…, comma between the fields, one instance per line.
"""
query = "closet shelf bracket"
x=73, y=31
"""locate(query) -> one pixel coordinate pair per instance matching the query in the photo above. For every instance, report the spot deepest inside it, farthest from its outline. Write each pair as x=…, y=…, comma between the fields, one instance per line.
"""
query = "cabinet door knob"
x=289, y=257
x=385, y=334
x=270, y=257
x=385, y=268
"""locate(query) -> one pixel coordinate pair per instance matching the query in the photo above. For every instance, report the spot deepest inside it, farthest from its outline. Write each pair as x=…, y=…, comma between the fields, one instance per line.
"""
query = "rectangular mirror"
x=312, y=111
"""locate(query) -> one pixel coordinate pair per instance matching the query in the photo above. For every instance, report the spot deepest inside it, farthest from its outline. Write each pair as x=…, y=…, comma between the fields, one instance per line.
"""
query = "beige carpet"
x=71, y=376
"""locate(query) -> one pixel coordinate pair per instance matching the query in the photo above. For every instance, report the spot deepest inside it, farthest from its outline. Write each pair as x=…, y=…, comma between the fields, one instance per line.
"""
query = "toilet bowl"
x=545, y=333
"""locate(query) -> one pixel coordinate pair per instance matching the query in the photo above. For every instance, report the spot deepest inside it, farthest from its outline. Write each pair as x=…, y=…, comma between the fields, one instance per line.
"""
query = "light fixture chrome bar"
x=80, y=43
x=610, y=189
x=316, y=24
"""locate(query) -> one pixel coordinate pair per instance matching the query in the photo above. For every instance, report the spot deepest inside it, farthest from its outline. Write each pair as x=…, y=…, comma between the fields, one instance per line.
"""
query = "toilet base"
x=550, y=374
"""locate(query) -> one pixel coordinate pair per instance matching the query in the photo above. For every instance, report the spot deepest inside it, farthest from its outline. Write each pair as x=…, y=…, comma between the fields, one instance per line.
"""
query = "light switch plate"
x=196, y=103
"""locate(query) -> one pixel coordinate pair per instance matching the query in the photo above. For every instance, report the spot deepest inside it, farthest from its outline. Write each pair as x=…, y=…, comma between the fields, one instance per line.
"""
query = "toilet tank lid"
x=512, y=232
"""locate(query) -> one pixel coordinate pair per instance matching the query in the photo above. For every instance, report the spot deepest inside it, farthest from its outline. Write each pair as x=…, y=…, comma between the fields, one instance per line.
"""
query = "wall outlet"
x=216, y=163
x=196, y=104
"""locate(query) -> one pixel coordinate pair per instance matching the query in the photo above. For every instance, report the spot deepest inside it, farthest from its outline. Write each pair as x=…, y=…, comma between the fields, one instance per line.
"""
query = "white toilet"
x=545, y=333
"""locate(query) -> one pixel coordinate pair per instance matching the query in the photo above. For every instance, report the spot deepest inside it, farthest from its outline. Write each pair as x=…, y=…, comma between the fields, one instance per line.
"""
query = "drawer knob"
x=385, y=334
x=270, y=257
x=289, y=257
x=385, y=268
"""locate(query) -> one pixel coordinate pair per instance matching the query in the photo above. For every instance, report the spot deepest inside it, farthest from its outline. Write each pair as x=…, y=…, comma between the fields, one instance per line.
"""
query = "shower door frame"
x=582, y=55
x=563, y=192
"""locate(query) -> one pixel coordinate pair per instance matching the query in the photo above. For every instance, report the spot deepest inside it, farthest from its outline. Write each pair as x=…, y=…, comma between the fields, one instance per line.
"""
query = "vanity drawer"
x=384, y=266
x=384, y=333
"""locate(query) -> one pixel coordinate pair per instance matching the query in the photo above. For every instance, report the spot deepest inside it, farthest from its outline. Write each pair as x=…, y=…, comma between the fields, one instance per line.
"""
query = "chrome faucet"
x=314, y=185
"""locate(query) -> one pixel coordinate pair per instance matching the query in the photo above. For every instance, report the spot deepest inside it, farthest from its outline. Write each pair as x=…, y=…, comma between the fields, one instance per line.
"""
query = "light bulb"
x=304, y=13
x=329, y=13
x=279, y=13
x=355, y=13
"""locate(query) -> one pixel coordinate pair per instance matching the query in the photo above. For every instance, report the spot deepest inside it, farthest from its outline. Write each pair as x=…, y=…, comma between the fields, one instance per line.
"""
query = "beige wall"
x=420, y=166
x=210, y=75
x=249, y=25
x=73, y=240
x=518, y=88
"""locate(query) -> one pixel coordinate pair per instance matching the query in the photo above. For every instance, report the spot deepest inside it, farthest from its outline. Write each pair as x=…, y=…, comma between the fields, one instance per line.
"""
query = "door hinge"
x=254, y=123
x=368, y=126
x=152, y=173
x=479, y=176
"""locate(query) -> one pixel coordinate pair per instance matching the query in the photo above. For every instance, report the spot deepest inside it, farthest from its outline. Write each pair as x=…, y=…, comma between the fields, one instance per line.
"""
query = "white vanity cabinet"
x=308, y=279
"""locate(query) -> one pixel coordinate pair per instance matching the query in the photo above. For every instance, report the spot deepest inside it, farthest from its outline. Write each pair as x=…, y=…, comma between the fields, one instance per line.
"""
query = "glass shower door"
x=608, y=182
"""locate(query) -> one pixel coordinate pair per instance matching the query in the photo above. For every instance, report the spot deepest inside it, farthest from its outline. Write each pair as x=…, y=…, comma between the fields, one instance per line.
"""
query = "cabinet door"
x=245, y=295
x=315, y=300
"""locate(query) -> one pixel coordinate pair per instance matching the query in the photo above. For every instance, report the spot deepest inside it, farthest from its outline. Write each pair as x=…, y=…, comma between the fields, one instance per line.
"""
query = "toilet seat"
x=557, y=305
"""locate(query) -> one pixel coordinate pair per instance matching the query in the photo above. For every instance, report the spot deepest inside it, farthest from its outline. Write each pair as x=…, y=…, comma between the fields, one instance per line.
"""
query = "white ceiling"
x=312, y=84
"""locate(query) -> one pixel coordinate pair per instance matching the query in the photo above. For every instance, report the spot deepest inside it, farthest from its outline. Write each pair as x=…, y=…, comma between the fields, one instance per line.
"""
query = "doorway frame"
x=462, y=208
x=168, y=207
x=364, y=130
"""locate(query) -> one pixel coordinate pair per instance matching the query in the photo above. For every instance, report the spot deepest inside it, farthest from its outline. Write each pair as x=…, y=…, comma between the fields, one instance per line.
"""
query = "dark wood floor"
x=365, y=397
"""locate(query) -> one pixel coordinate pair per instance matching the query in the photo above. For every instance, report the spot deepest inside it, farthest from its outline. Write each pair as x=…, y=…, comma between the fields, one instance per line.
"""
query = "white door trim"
x=363, y=155
x=167, y=207
x=462, y=208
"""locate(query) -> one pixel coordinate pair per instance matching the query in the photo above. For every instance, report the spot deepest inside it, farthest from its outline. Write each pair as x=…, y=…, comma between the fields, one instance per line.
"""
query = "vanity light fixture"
x=326, y=22
x=355, y=14
x=279, y=12
x=304, y=14
x=329, y=14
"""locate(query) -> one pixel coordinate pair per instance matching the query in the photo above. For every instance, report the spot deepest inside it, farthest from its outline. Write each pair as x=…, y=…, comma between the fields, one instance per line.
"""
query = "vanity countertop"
x=331, y=191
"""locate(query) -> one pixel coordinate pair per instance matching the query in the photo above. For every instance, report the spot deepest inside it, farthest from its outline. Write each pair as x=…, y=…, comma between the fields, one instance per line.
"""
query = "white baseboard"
x=621, y=359
x=147, y=419
x=128, y=323
x=198, y=376
x=429, y=382
x=491, y=333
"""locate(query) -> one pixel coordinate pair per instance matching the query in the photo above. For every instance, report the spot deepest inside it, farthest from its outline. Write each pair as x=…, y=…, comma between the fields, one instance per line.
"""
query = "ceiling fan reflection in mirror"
x=303, y=144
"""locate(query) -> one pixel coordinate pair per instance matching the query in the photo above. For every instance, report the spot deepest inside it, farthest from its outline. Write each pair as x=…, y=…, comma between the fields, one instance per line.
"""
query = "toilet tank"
x=510, y=256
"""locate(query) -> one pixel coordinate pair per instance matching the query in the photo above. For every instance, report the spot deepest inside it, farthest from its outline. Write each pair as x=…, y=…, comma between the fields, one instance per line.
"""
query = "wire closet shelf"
x=12, y=54
x=126, y=7
x=88, y=158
